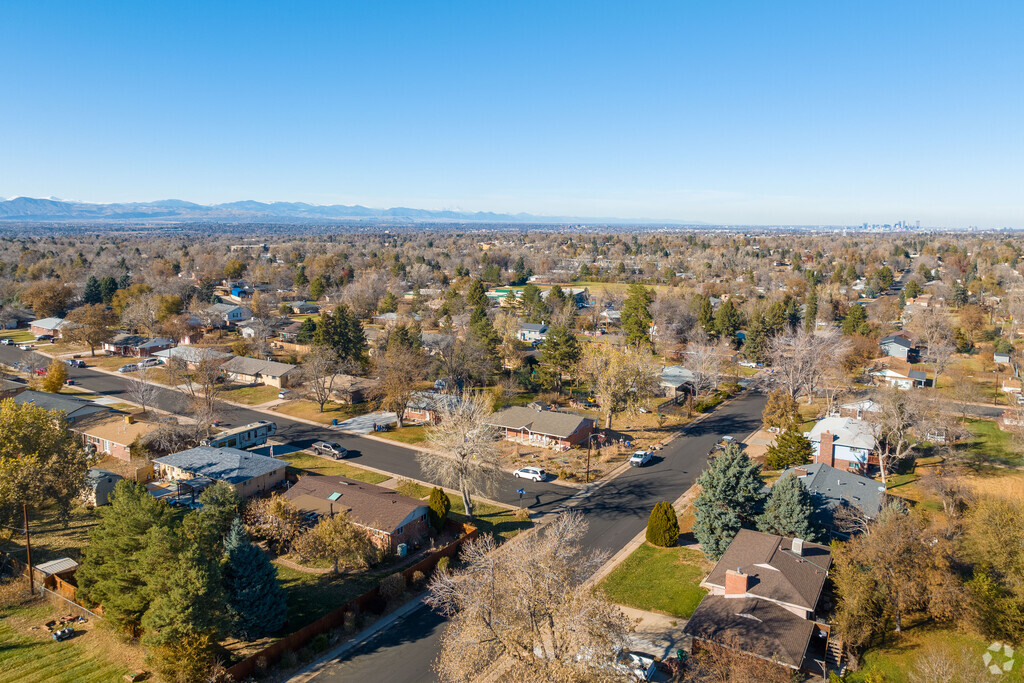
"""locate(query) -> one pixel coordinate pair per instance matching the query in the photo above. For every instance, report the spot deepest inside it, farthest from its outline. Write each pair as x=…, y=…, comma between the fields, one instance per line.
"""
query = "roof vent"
x=798, y=546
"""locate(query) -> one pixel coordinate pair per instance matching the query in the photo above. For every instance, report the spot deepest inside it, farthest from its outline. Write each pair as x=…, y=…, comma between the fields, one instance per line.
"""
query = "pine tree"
x=108, y=287
x=92, y=294
x=663, y=526
x=389, y=304
x=476, y=295
x=483, y=331
x=731, y=498
x=256, y=603
x=440, y=505
x=706, y=316
x=755, y=345
x=781, y=410
x=790, y=448
x=112, y=573
x=856, y=318
x=301, y=280
x=727, y=320
x=221, y=505
x=789, y=510
x=636, y=316
x=811, y=311
x=316, y=288
x=559, y=353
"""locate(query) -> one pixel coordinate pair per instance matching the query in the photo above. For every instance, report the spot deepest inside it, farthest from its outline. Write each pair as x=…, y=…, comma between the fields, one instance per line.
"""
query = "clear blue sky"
x=734, y=112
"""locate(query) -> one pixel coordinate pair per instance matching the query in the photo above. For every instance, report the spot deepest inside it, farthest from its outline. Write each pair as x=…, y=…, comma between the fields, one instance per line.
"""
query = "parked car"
x=7, y=341
x=639, y=459
x=131, y=367
x=75, y=363
x=25, y=347
x=330, y=448
x=149, y=362
x=534, y=473
x=64, y=633
x=284, y=393
x=641, y=666
x=44, y=337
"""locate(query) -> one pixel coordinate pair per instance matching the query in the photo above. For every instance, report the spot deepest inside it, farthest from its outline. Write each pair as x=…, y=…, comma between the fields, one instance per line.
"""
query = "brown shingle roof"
x=752, y=625
x=371, y=506
x=776, y=573
x=546, y=422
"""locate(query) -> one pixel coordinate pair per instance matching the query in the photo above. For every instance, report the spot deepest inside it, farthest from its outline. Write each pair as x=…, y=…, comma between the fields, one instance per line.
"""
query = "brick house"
x=112, y=434
x=136, y=345
x=248, y=472
x=763, y=598
x=50, y=326
x=549, y=428
x=844, y=442
x=426, y=406
x=258, y=371
x=388, y=516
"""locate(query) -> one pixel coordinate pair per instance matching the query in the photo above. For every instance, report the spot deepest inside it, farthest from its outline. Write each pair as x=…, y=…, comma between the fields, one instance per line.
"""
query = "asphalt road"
x=616, y=512
x=394, y=458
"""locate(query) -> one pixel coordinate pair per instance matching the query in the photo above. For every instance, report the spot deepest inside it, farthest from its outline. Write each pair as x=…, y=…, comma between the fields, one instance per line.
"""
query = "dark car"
x=335, y=450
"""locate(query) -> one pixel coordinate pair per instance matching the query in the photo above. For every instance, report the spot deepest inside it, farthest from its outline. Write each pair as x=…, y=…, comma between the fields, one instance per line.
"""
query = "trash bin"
x=334, y=421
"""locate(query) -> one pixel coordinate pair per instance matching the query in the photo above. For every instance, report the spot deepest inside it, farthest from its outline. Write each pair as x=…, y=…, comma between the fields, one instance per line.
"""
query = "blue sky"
x=725, y=112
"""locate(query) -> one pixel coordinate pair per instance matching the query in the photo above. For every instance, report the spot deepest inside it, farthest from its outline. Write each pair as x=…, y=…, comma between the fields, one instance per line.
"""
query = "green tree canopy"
x=663, y=526
x=636, y=315
x=440, y=505
x=790, y=448
x=789, y=511
x=257, y=605
x=731, y=498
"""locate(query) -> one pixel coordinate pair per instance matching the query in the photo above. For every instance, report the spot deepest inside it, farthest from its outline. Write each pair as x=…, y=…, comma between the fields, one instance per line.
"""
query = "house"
x=611, y=316
x=857, y=409
x=290, y=333
x=1011, y=385
x=192, y=355
x=898, y=346
x=12, y=318
x=549, y=428
x=51, y=326
x=425, y=407
x=125, y=344
x=229, y=314
x=257, y=371
x=74, y=409
x=532, y=333
x=303, y=308
x=10, y=389
x=833, y=489
x=350, y=390
x=391, y=318
x=1003, y=358
x=99, y=484
x=389, y=517
x=112, y=434
x=844, y=442
x=676, y=380
x=763, y=598
x=247, y=472
x=896, y=372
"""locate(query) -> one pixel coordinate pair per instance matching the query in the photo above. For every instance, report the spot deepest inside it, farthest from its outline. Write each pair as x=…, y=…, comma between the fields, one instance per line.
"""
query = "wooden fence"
x=368, y=601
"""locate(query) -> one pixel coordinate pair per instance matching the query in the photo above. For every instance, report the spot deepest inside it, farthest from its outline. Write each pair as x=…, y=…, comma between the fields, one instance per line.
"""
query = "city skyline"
x=738, y=114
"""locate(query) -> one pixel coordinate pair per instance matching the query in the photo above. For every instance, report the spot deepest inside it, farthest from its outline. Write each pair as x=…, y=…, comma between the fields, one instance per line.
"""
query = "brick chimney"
x=800, y=471
x=736, y=582
x=826, y=450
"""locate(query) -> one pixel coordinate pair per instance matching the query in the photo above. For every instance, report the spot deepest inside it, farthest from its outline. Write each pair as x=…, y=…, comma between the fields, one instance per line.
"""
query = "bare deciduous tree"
x=319, y=368
x=399, y=368
x=337, y=540
x=526, y=606
x=801, y=360
x=142, y=389
x=463, y=453
x=899, y=412
x=706, y=360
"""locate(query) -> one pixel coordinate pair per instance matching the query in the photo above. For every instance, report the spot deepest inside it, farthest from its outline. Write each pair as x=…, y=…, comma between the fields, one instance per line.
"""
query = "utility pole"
x=28, y=549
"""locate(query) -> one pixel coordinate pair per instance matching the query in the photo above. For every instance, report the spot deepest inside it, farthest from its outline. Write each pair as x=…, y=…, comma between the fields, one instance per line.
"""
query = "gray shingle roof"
x=831, y=487
x=894, y=339
x=369, y=505
x=192, y=354
x=545, y=422
x=71, y=406
x=848, y=431
x=230, y=465
x=48, y=323
x=254, y=366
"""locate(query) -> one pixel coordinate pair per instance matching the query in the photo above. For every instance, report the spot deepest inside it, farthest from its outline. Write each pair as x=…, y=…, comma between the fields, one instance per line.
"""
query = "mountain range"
x=176, y=210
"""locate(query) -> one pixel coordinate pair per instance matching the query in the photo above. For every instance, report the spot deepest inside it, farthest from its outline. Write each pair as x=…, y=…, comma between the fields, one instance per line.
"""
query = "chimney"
x=826, y=450
x=800, y=471
x=736, y=582
x=798, y=547
x=128, y=419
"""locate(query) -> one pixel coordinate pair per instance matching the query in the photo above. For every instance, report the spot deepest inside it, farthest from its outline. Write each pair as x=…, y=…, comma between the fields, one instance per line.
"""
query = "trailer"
x=246, y=436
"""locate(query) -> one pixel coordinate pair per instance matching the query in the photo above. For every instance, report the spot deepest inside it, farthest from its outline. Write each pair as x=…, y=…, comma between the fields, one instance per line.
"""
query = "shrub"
x=289, y=660
x=319, y=643
x=702, y=406
x=440, y=505
x=305, y=655
x=392, y=587
x=418, y=578
x=349, y=622
x=663, y=526
x=442, y=564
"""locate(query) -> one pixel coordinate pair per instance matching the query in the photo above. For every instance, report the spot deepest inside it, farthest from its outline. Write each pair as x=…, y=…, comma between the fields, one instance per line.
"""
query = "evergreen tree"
x=727, y=320
x=792, y=314
x=221, y=506
x=482, y=331
x=186, y=618
x=559, y=353
x=112, y=573
x=476, y=295
x=307, y=331
x=780, y=410
x=533, y=304
x=775, y=319
x=342, y=331
x=301, y=280
x=706, y=317
x=856, y=320
x=790, y=448
x=256, y=603
x=108, y=287
x=92, y=294
x=789, y=510
x=636, y=316
x=755, y=346
x=663, y=526
x=811, y=311
x=731, y=498
x=316, y=288
x=389, y=304
x=440, y=505
x=125, y=281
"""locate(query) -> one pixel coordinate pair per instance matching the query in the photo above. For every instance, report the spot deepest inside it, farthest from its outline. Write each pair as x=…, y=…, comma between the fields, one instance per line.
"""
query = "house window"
x=399, y=530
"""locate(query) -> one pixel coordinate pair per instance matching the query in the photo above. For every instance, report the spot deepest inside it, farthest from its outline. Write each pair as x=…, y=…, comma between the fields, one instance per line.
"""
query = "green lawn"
x=489, y=519
x=410, y=434
x=992, y=444
x=413, y=490
x=892, y=663
x=250, y=395
x=311, y=596
x=665, y=580
x=37, y=658
x=22, y=336
x=306, y=463
x=50, y=539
